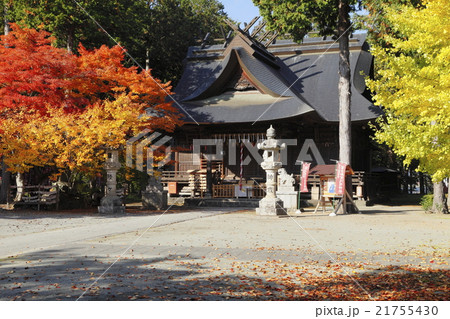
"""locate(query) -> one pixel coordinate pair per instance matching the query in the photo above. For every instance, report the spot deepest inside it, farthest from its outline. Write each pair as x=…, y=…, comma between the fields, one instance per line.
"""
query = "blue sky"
x=244, y=10
x=240, y=10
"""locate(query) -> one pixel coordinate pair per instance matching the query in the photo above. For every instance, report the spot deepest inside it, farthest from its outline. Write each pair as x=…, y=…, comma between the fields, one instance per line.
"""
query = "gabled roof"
x=290, y=79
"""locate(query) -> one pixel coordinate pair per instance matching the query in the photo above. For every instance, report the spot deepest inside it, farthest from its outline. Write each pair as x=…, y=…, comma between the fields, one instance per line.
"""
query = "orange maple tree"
x=63, y=110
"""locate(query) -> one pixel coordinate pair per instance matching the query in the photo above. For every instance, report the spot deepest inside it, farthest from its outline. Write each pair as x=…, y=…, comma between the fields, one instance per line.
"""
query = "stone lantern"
x=270, y=204
x=111, y=203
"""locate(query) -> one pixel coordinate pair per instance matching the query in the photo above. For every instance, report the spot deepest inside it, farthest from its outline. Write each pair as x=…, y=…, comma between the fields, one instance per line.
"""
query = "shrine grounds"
x=385, y=253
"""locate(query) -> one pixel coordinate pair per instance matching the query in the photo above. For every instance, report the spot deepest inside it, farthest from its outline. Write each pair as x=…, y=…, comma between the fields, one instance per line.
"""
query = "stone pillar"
x=154, y=196
x=111, y=203
x=270, y=204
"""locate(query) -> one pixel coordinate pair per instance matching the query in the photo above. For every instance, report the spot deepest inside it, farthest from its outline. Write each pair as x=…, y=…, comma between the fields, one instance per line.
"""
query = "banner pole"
x=299, y=211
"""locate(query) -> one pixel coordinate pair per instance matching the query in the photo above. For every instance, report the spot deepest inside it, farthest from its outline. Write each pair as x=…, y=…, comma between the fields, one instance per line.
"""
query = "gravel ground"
x=211, y=254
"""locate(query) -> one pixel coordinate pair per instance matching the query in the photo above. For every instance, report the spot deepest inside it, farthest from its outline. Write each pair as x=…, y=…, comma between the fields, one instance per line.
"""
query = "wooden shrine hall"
x=231, y=93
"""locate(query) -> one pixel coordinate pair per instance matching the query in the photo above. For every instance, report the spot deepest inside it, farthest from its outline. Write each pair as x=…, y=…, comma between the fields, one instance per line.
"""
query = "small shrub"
x=427, y=202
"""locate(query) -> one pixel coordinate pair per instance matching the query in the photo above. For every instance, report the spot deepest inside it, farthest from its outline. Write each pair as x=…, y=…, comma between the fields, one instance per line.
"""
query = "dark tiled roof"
x=292, y=79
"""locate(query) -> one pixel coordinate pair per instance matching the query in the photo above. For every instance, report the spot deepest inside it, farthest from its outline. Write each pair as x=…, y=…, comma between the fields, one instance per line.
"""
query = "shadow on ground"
x=28, y=214
x=64, y=275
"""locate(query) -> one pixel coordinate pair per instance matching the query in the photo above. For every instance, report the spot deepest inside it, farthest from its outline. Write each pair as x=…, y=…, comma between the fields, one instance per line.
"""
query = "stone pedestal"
x=289, y=199
x=270, y=207
x=286, y=191
x=111, y=203
x=270, y=204
x=154, y=196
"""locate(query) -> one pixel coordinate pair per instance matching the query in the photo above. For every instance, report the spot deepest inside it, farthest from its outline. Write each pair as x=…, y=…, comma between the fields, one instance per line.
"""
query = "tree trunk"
x=421, y=184
x=6, y=175
x=70, y=42
x=19, y=184
x=5, y=187
x=448, y=195
x=439, y=202
x=345, y=138
x=6, y=21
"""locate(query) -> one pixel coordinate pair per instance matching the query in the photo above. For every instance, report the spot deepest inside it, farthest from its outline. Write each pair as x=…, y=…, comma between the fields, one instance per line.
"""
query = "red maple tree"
x=47, y=89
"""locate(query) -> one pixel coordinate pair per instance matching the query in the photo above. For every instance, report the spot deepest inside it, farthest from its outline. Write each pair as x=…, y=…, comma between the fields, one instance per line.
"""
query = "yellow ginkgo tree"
x=412, y=84
x=71, y=141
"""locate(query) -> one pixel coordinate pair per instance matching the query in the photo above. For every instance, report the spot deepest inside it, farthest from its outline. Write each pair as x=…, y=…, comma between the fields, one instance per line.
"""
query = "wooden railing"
x=252, y=191
x=175, y=176
x=223, y=191
x=233, y=190
x=36, y=195
x=357, y=178
x=259, y=191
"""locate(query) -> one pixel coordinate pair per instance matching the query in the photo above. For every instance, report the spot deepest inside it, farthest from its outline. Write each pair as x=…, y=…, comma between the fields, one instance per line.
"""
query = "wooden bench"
x=37, y=195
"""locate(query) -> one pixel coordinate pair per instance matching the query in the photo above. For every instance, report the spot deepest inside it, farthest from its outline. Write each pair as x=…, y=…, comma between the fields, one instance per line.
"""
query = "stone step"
x=221, y=202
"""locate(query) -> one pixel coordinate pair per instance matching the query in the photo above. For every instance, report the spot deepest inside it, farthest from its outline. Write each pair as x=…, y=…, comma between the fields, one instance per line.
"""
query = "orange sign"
x=172, y=186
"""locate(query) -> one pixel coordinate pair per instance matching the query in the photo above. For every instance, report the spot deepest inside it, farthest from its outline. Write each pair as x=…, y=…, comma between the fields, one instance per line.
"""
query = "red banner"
x=304, y=178
x=340, y=178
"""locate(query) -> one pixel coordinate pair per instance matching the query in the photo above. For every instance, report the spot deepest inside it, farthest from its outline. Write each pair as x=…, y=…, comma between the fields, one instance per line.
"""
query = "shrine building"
x=231, y=93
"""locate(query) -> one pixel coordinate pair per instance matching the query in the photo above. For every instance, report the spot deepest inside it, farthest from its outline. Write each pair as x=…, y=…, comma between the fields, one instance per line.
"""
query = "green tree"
x=413, y=86
x=207, y=16
x=72, y=22
x=155, y=33
x=330, y=17
x=174, y=25
x=376, y=22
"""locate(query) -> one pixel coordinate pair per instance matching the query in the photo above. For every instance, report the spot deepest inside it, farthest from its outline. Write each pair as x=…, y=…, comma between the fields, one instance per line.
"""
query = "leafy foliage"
x=413, y=85
x=375, y=21
x=174, y=25
x=63, y=110
x=299, y=17
x=71, y=23
x=427, y=202
x=162, y=29
x=33, y=73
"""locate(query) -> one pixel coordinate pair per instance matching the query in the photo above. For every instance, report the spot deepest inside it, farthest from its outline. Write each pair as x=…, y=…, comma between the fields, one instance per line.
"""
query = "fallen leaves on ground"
x=225, y=277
